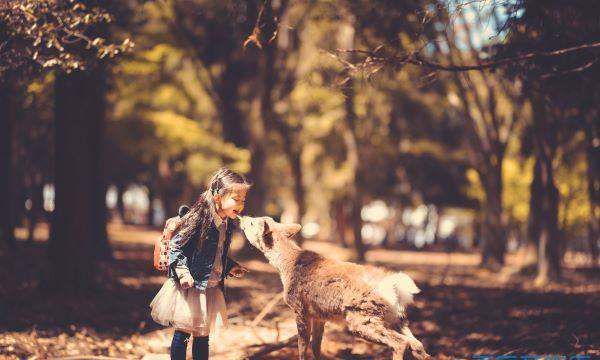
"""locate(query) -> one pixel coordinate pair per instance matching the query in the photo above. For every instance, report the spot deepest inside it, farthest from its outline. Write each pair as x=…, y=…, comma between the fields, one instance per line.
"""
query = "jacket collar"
x=216, y=218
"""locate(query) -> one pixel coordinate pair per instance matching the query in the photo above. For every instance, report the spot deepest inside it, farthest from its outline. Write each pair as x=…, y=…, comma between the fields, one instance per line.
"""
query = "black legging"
x=179, y=346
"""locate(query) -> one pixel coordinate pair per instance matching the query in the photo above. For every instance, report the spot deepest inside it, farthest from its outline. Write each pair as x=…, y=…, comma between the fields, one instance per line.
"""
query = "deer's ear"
x=289, y=230
x=268, y=236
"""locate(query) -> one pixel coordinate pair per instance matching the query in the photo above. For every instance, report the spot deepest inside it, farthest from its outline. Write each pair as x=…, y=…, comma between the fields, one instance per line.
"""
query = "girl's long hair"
x=196, y=222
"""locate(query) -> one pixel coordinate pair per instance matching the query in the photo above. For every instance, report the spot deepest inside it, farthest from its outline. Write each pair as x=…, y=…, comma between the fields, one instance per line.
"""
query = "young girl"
x=191, y=300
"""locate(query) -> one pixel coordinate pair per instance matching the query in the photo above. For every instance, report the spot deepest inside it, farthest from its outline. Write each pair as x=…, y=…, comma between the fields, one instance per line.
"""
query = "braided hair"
x=196, y=222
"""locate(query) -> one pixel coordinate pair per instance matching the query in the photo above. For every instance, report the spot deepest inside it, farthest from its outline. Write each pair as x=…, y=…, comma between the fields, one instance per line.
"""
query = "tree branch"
x=416, y=59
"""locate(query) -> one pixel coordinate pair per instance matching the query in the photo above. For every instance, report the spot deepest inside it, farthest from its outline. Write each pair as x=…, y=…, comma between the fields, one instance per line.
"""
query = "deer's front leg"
x=303, y=324
x=416, y=347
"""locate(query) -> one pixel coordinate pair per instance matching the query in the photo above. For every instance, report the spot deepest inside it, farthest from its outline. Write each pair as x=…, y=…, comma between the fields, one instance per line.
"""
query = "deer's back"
x=327, y=288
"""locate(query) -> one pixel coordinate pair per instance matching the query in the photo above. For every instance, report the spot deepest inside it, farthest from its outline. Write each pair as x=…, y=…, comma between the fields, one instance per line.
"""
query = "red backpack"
x=161, y=245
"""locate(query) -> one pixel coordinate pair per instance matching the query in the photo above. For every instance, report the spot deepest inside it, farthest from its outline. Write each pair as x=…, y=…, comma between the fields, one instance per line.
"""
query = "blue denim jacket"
x=200, y=259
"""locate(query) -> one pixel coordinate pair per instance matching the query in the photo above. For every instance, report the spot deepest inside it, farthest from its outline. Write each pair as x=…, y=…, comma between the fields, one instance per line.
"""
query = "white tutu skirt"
x=198, y=312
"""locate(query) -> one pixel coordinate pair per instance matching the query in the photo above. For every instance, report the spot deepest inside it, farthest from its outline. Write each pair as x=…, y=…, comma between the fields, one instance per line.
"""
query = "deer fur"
x=371, y=301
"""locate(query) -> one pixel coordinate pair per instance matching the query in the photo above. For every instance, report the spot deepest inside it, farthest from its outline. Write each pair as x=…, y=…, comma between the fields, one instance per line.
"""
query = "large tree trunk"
x=243, y=134
x=78, y=215
x=593, y=175
x=536, y=192
x=291, y=148
x=352, y=147
x=493, y=245
x=354, y=193
x=549, y=254
x=98, y=105
x=548, y=241
x=7, y=118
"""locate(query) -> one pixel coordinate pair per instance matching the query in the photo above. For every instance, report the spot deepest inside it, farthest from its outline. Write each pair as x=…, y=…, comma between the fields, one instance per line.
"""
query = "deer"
x=369, y=300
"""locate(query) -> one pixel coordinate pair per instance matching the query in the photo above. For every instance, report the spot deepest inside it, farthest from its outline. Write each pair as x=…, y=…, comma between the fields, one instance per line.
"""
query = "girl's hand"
x=187, y=281
x=238, y=271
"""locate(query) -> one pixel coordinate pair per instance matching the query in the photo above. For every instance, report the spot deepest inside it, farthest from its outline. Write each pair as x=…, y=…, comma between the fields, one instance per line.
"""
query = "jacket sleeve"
x=177, y=259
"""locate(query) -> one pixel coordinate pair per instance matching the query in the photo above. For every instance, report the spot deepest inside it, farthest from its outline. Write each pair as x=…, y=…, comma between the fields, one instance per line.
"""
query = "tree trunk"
x=97, y=124
x=339, y=213
x=291, y=147
x=37, y=205
x=548, y=240
x=7, y=118
x=352, y=147
x=150, y=214
x=120, y=204
x=493, y=245
x=354, y=193
x=593, y=169
x=298, y=184
x=536, y=193
x=79, y=110
x=549, y=254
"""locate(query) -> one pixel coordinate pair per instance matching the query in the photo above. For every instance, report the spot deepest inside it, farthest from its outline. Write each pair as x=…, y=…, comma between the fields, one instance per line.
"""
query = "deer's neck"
x=283, y=256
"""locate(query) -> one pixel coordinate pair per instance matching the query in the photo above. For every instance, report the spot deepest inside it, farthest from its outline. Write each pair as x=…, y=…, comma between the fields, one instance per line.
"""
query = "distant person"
x=191, y=299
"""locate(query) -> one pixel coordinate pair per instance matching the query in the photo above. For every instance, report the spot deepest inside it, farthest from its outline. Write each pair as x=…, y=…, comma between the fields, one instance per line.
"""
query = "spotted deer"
x=371, y=301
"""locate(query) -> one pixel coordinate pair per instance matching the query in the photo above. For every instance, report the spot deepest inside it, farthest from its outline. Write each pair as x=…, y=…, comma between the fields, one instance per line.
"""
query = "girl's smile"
x=231, y=204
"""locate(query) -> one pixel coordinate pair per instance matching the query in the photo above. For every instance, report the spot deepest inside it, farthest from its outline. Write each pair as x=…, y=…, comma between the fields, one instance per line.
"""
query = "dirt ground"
x=462, y=311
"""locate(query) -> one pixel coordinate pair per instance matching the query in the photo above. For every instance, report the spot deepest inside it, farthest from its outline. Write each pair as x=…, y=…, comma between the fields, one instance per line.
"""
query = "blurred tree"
x=33, y=138
x=280, y=62
x=7, y=121
x=538, y=26
x=490, y=105
x=214, y=33
x=163, y=130
x=79, y=219
x=64, y=35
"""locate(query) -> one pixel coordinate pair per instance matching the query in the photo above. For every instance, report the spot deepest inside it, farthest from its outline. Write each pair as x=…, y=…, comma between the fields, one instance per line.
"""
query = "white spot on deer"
x=398, y=290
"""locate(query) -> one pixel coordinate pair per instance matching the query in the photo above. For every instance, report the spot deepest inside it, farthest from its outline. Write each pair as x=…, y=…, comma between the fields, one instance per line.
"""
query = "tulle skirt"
x=191, y=310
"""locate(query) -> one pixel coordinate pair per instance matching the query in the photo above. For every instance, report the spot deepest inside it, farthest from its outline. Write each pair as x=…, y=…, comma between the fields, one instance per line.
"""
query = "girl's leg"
x=179, y=345
x=200, y=348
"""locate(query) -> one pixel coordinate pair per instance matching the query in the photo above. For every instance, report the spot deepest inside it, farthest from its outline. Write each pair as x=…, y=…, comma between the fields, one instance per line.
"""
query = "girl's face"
x=232, y=202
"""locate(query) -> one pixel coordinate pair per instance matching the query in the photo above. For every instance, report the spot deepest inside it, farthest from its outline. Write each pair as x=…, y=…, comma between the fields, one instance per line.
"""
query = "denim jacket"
x=200, y=259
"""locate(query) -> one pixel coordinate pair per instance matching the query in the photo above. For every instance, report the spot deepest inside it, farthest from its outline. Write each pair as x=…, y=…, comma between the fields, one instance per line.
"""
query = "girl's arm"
x=177, y=259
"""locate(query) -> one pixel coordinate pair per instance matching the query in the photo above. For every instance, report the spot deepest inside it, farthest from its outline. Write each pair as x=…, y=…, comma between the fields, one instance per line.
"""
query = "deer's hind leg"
x=317, y=328
x=303, y=324
x=373, y=328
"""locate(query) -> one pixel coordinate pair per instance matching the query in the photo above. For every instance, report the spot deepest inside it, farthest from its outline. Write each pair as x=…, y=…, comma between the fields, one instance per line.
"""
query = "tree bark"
x=493, y=245
x=354, y=193
x=150, y=214
x=98, y=83
x=352, y=147
x=593, y=169
x=339, y=213
x=291, y=145
x=79, y=193
x=548, y=239
x=120, y=204
x=37, y=205
x=7, y=118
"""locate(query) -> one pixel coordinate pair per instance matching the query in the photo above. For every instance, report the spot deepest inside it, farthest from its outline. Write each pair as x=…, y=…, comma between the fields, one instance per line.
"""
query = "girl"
x=191, y=300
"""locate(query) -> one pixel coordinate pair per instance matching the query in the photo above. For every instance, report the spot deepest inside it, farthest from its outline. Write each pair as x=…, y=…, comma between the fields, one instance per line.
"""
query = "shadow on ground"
x=458, y=313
